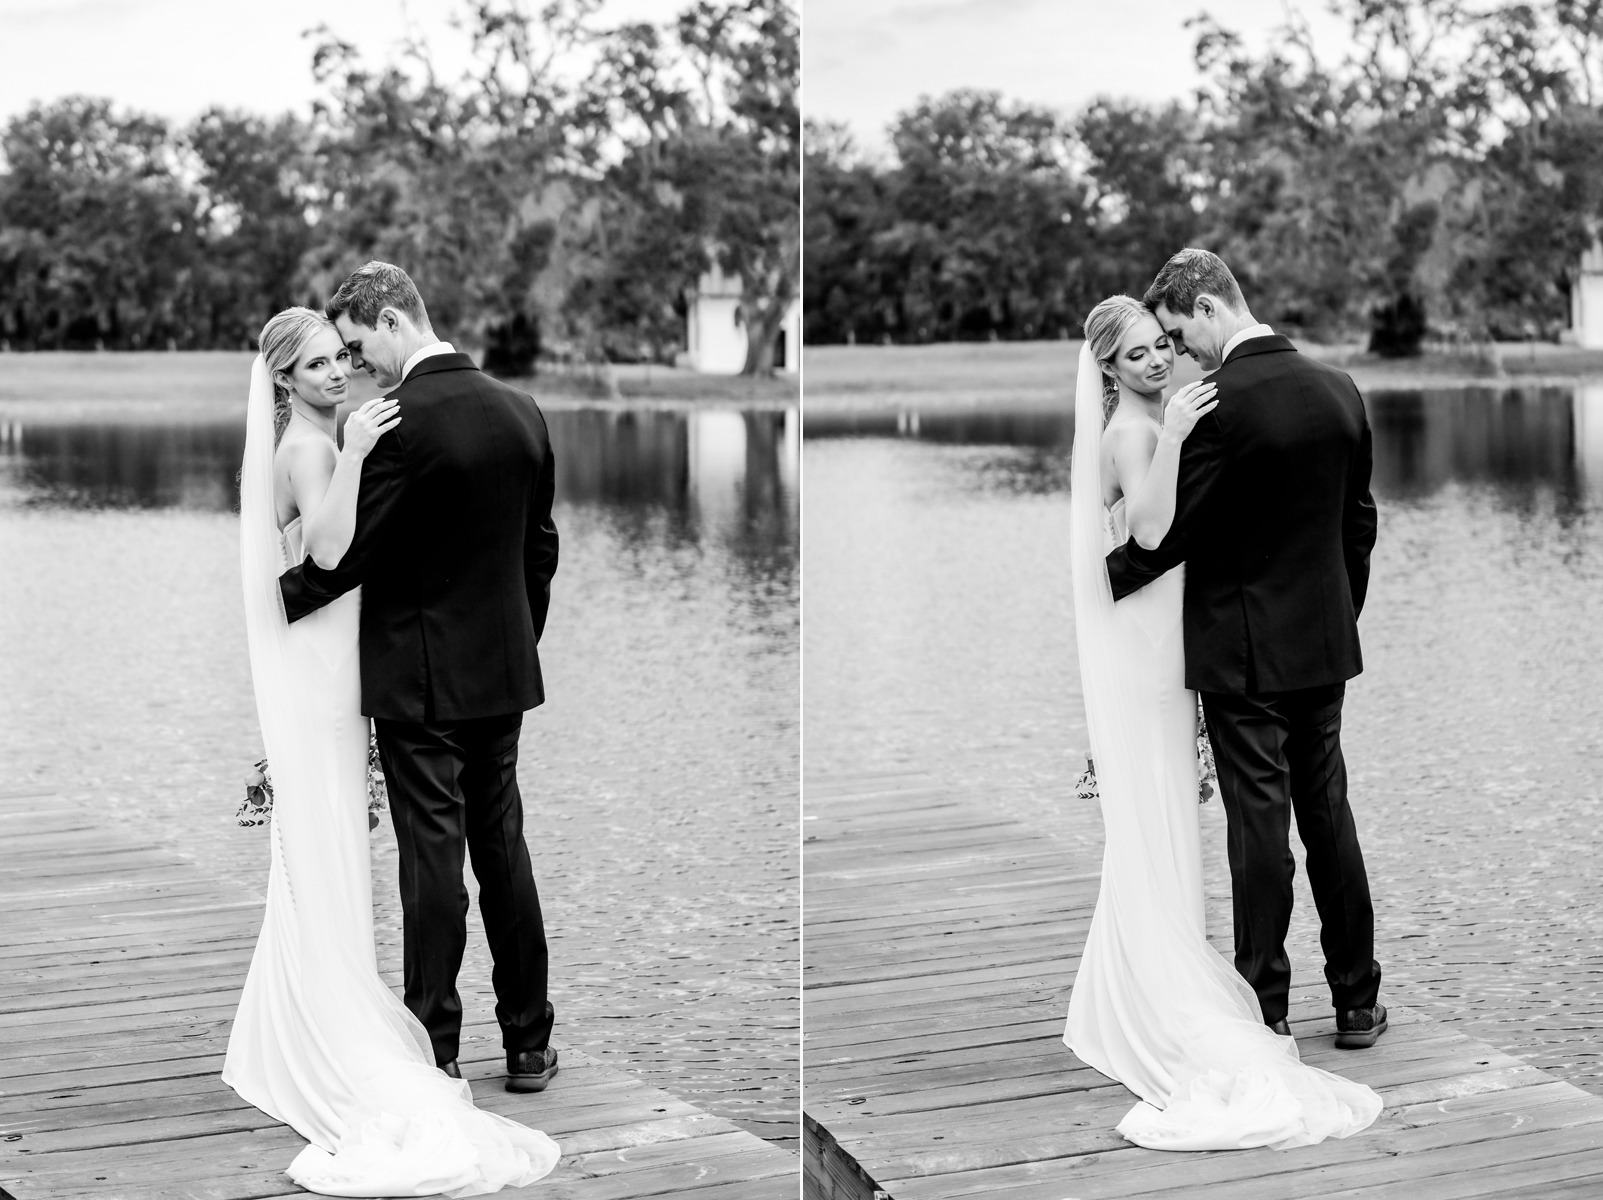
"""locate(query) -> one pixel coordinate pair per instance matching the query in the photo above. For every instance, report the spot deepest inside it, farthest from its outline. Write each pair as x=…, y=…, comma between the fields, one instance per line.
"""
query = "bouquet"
x=1085, y=788
x=257, y=806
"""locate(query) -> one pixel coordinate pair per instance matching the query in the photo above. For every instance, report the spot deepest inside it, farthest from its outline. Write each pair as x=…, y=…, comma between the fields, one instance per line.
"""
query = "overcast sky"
x=178, y=57
x=866, y=60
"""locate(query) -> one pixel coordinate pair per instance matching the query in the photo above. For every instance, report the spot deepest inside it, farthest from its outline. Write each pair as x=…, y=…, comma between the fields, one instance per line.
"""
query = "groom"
x=1274, y=521
x=454, y=549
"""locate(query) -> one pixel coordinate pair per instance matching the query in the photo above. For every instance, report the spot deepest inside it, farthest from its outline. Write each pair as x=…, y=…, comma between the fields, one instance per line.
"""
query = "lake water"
x=939, y=636
x=659, y=780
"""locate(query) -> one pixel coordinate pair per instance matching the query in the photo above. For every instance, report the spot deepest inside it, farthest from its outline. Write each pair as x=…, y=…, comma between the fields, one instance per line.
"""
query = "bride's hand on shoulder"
x=366, y=425
x=1189, y=405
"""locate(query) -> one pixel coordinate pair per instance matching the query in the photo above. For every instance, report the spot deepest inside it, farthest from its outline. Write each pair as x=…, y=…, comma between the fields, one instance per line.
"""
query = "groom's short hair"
x=374, y=287
x=1188, y=275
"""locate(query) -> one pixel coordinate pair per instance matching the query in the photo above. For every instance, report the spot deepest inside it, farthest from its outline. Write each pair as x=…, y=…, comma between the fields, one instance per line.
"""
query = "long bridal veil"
x=319, y=1042
x=1154, y=1006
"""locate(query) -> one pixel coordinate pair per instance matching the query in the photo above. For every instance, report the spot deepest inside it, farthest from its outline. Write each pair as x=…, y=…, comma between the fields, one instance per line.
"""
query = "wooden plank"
x=940, y=956
x=1132, y=1171
x=119, y=972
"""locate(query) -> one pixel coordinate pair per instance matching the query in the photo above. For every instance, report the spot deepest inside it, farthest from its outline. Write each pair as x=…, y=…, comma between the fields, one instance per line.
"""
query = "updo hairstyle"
x=1105, y=328
x=281, y=341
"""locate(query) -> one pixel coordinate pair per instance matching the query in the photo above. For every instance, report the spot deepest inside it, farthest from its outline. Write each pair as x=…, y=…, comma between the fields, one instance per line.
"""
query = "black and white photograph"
x=801, y=599
x=1202, y=481
x=400, y=599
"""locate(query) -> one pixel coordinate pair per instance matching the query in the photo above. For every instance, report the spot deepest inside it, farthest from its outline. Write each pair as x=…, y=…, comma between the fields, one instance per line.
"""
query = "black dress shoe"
x=451, y=1069
x=1359, y=1028
x=530, y=1070
x=1280, y=1027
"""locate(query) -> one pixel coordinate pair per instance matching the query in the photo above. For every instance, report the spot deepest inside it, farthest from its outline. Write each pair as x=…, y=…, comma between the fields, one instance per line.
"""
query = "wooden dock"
x=940, y=945
x=122, y=964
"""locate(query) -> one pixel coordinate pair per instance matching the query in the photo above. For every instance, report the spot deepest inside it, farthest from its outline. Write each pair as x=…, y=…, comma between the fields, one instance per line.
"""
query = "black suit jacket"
x=1275, y=523
x=454, y=549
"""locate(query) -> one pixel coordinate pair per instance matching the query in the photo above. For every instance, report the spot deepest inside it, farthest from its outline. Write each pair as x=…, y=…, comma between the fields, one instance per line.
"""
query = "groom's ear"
x=1206, y=304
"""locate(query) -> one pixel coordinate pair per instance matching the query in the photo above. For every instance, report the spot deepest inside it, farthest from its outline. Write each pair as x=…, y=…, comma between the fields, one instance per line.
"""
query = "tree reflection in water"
x=1517, y=439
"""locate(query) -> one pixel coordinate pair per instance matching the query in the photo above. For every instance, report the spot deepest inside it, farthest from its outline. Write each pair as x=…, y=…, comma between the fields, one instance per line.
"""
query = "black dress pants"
x=1279, y=754
x=453, y=788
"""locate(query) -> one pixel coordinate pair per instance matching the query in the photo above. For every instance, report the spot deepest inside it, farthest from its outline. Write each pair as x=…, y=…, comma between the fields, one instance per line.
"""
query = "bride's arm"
x=325, y=482
x=1148, y=463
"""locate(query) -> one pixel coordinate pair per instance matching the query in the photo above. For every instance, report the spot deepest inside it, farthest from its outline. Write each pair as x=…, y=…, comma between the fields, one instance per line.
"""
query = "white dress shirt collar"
x=428, y=351
x=1251, y=331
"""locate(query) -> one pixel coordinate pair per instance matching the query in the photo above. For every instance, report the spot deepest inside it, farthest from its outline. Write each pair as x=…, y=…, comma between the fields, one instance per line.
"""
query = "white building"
x=715, y=333
x=1586, y=300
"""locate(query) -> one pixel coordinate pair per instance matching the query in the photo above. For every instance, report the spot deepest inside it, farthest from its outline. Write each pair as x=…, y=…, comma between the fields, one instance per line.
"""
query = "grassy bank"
x=636, y=383
x=1039, y=375
x=212, y=385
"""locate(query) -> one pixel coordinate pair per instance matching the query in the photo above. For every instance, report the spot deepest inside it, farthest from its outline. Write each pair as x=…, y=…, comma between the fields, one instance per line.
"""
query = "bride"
x=1154, y=1006
x=319, y=1042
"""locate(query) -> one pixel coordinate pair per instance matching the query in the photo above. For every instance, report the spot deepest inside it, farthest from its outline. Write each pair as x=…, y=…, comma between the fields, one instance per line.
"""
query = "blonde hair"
x=281, y=341
x=1105, y=327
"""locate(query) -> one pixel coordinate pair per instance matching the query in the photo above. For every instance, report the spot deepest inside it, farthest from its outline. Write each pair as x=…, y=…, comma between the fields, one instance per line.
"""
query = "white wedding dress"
x=319, y=1042
x=1154, y=1006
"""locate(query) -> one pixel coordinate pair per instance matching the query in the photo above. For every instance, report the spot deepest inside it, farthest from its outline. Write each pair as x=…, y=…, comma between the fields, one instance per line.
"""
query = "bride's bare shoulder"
x=302, y=447
x=1128, y=435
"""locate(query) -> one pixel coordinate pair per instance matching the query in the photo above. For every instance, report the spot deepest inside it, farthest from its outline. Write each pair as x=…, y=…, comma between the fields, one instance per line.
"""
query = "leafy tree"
x=97, y=233
x=410, y=175
x=256, y=181
x=566, y=190
x=1145, y=178
x=1443, y=174
x=848, y=296
x=710, y=172
x=1329, y=180
x=1537, y=199
x=648, y=241
x=988, y=221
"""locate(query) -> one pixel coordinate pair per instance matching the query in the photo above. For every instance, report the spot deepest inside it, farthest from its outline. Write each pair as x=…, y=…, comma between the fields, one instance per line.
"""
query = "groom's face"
x=378, y=351
x=1195, y=335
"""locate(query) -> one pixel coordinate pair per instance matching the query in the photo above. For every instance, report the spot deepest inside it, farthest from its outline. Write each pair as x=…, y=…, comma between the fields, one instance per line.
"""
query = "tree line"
x=556, y=201
x=1441, y=178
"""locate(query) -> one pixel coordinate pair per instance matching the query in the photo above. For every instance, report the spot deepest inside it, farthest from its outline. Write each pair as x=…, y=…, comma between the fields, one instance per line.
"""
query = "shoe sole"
x=1361, y=1039
x=531, y=1083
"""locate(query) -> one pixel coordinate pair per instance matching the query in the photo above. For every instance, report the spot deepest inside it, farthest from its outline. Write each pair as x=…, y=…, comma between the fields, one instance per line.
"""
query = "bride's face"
x=322, y=371
x=1145, y=359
